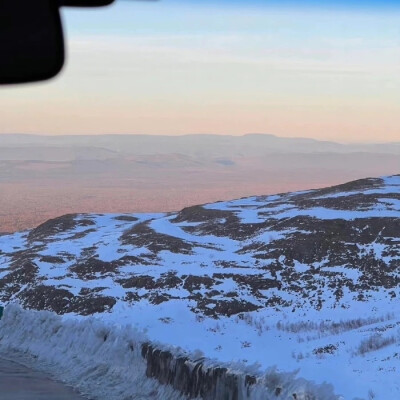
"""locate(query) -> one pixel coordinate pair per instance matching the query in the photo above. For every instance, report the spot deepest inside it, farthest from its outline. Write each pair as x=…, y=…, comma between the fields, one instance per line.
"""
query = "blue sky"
x=328, y=70
x=376, y=5
x=300, y=3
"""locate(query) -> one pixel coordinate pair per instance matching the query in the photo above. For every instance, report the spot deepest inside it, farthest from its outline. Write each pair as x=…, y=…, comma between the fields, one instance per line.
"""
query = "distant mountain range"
x=207, y=146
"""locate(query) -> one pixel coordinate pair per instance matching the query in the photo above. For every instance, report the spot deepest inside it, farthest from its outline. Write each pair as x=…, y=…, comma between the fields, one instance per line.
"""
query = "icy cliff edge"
x=114, y=362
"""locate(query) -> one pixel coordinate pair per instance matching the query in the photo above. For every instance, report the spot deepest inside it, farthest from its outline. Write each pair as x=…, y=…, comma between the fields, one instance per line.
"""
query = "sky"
x=328, y=70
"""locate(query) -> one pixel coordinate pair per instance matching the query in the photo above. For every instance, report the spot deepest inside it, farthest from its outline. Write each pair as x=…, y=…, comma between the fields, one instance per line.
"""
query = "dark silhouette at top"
x=31, y=38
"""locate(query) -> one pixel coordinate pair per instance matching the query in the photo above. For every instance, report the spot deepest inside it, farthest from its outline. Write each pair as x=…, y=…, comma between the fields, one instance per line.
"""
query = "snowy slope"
x=108, y=362
x=307, y=280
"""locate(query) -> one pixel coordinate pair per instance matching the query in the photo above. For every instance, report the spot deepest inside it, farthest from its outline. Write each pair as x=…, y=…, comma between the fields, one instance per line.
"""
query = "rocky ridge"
x=312, y=246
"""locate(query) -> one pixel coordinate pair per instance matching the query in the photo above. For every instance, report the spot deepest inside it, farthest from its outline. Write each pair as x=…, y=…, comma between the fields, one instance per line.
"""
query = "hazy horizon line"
x=203, y=134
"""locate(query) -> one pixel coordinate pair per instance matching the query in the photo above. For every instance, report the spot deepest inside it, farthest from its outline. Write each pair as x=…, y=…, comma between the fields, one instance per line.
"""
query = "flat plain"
x=43, y=177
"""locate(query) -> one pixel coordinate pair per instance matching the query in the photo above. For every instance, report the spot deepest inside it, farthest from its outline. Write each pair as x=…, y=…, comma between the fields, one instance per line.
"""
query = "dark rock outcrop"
x=193, y=378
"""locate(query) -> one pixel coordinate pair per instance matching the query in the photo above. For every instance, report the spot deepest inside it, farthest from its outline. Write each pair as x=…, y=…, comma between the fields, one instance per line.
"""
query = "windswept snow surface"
x=106, y=362
x=101, y=362
x=306, y=280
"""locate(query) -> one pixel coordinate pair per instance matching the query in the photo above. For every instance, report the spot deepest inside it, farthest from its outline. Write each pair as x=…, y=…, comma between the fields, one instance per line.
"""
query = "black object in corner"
x=85, y=3
x=31, y=40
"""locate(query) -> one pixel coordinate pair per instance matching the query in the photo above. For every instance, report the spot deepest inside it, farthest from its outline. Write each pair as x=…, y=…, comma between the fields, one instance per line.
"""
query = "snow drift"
x=115, y=362
x=100, y=362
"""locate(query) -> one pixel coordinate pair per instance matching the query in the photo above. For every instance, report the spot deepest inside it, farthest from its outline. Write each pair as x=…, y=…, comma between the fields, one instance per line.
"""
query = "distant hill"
x=251, y=145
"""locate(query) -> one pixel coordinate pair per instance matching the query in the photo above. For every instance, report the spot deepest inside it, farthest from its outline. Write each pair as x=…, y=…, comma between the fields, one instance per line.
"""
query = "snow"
x=13, y=242
x=252, y=213
x=233, y=339
x=98, y=360
x=250, y=338
x=104, y=361
x=350, y=273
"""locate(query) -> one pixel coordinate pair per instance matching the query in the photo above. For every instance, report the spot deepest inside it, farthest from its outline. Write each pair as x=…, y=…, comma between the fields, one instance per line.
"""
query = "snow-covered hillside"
x=307, y=280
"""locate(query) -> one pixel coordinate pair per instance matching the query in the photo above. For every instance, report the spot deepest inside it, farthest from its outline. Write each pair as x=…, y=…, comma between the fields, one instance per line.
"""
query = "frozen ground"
x=307, y=280
x=107, y=362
